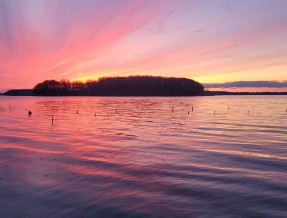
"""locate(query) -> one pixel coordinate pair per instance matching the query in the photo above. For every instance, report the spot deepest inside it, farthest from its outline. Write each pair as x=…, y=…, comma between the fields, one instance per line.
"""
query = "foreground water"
x=223, y=156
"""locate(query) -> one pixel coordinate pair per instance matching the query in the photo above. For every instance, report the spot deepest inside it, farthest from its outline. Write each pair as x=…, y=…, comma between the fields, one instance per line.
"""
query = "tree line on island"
x=125, y=86
x=121, y=86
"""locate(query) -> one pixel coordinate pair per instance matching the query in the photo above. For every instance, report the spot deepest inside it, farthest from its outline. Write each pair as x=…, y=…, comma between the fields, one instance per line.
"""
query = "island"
x=126, y=86
x=117, y=86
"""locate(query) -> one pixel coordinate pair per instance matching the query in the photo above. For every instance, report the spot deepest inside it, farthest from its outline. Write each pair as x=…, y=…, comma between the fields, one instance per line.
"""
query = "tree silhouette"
x=122, y=86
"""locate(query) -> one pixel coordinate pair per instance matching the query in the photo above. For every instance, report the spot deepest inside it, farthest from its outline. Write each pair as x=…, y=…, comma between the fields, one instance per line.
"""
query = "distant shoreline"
x=217, y=93
x=29, y=92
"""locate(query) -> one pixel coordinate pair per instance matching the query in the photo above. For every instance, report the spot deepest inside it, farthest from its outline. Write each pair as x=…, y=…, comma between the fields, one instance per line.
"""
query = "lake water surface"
x=218, y=156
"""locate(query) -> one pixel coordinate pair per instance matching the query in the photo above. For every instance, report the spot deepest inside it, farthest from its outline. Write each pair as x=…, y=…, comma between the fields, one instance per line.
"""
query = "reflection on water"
x=143, y=157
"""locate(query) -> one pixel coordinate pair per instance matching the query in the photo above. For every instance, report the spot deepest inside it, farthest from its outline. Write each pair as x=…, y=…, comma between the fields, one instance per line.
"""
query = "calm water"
x=137, y=158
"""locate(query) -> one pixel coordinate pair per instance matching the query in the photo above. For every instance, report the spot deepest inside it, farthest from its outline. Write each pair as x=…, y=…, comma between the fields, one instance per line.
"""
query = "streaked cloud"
x=211, y=41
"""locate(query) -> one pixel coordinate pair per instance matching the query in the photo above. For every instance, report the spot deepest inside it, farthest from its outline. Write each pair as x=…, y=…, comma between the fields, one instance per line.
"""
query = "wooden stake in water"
x=95, y=114
x=192, y=108
x=52, y=120
x=214, y=112
x=228, y=107
x=77, y=112
x=29, y=113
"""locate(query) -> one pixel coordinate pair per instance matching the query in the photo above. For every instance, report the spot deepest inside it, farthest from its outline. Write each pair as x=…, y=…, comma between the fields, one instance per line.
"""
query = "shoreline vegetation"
x=116, y=86
x=126, y=86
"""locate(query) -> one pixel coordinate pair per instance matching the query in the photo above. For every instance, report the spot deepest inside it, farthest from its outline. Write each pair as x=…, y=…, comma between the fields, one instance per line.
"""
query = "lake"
x=210, y=156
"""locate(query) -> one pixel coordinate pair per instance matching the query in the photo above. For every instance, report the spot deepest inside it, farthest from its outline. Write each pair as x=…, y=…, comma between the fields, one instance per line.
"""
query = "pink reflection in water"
x=138, y=158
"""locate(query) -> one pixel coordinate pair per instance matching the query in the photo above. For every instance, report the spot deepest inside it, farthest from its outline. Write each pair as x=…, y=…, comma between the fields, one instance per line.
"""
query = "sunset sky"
x=211, y=41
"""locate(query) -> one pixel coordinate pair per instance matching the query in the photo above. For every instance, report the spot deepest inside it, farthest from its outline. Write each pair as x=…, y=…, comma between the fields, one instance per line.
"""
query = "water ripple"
x=135, y=157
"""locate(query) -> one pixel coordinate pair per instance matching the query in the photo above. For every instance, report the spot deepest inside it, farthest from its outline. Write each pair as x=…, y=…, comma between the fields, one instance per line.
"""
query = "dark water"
x=137, y=158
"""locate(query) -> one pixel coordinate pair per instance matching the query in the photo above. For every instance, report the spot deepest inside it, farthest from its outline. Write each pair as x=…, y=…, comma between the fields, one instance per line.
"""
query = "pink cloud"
x=69, y=39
